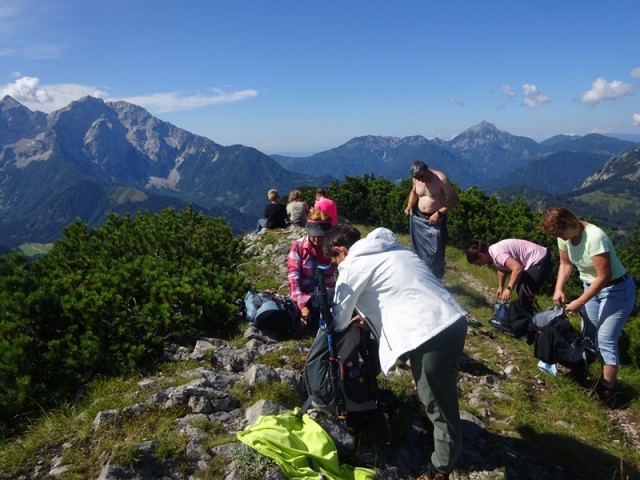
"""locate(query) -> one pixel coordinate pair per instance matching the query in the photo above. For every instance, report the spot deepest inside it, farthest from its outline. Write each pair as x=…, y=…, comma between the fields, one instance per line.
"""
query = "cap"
x=318, y=229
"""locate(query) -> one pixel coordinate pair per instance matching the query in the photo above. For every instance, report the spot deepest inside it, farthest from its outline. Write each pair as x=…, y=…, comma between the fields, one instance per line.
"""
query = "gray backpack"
x=269, y=311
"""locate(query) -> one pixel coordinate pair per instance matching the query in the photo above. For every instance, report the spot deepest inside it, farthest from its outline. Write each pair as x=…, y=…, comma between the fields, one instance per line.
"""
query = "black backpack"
x=511, y=318
x=557, y=341
x=269, y=311
x=341, y=367
x=356, y=366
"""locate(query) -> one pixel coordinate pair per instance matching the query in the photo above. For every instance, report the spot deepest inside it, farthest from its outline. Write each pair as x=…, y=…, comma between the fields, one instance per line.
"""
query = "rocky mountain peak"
x=9, y=102
x=17, y=121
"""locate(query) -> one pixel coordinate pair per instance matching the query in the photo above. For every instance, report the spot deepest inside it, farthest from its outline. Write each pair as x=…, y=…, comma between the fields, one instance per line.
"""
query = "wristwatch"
x=440, y=214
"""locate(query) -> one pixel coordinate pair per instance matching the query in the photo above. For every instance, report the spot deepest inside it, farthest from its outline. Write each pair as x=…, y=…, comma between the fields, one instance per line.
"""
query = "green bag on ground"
x=301, y=448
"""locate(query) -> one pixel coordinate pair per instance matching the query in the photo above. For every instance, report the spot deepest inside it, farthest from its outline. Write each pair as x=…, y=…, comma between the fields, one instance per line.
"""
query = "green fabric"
x=300, y=447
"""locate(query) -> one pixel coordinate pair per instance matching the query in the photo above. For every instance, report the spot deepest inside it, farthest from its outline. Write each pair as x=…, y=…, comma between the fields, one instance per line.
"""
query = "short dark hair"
x=474, y=251
x=418, y=169
x=342, y=235
x=321, y=191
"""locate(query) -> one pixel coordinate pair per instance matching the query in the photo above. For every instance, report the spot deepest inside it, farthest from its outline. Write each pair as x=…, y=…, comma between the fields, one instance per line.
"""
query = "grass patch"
x=291, y=354
x=250, y=464
x=280, y=393
x=73, y=425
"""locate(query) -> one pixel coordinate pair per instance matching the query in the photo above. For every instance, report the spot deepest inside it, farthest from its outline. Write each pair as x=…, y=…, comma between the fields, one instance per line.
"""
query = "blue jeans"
x=262, y=223
x=605, y=315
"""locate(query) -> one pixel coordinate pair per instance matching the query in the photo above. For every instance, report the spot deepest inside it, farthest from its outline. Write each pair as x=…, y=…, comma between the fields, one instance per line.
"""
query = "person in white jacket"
x=409, y=311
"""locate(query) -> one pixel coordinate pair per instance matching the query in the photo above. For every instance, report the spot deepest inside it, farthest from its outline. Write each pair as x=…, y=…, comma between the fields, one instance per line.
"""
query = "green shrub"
x=105, y=301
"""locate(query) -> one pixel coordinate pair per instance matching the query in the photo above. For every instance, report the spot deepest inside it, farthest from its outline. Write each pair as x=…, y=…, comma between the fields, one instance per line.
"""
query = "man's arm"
x=451, y=197
x=413, y=198
x=349, y=287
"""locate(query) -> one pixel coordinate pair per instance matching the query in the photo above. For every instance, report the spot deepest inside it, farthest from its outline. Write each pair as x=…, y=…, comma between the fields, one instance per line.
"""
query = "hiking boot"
x=608, y=397
x=432, y=474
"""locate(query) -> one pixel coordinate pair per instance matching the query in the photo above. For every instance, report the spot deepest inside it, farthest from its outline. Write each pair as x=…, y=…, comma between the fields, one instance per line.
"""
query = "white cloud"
x=636, y=119
x=603, y=90
x=456, y=101
x=507, y=90
x=533, y=97
x=635, y=72
x=177, y=102
x=47, y=98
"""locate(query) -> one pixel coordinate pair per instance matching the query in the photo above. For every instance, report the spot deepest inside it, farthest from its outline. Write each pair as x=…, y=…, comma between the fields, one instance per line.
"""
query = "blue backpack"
x=270, y=311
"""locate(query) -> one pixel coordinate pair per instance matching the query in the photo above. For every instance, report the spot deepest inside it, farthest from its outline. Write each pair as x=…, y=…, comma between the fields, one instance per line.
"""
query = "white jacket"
x=403, y=302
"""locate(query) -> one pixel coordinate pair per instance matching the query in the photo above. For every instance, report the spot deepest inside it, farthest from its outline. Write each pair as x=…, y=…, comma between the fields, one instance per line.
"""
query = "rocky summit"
x=202, y=401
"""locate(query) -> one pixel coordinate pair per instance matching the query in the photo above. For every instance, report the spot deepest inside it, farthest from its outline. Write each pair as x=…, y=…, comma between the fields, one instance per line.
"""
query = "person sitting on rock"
x=297, y=209
x=275, y=214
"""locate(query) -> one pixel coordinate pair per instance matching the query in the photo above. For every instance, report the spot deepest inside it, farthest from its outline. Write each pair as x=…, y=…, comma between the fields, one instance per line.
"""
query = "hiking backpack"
x=341, y=367
x=269, y=311
x=557, y=341
x=511, y=318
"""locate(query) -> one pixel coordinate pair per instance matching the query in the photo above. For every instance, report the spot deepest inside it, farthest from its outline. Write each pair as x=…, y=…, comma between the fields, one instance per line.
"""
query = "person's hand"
x=407, y=210
x=358, y=321
x=506, y=293
x=574, y=307
x=433, y=219
x=559, y=299
x=304, y=316
x=498, y=292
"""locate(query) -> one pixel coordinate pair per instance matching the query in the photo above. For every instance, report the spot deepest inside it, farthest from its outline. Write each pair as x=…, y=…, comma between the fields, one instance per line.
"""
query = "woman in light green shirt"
x=609, y=292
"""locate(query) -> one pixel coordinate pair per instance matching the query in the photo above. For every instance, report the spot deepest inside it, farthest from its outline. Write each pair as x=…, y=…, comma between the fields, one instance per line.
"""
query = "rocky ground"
x=489, y=451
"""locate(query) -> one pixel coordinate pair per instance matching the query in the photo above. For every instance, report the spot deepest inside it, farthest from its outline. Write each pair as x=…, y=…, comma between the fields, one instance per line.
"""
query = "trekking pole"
x=326, y=323
x=532, y=298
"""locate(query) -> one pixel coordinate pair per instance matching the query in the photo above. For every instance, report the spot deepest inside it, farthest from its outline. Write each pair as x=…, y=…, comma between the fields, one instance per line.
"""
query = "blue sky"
x=302, y=76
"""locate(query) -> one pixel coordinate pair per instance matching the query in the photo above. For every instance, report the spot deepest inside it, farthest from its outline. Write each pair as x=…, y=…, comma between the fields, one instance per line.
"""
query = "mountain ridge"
x=118, y=144
x=122, y=145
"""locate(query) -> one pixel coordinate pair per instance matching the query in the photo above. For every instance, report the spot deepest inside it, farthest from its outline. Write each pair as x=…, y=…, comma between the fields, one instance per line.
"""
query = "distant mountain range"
x=93, y=157
x=596, y=175
x=481, y=155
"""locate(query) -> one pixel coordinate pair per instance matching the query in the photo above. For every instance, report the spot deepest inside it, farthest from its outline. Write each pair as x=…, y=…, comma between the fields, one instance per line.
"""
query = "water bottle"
x=549, y=368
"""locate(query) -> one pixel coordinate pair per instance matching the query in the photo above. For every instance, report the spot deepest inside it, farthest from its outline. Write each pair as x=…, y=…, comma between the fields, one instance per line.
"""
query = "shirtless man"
x=436, y=197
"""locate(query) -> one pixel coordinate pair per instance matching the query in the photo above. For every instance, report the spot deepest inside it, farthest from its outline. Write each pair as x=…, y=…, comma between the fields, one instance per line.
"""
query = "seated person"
x=305, y=255
x=327, y=205
x=297, y=209
x=527, y=265
x=275, y=214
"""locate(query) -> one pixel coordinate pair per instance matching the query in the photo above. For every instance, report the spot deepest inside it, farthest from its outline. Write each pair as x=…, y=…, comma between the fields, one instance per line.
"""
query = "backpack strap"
x=305, y=406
